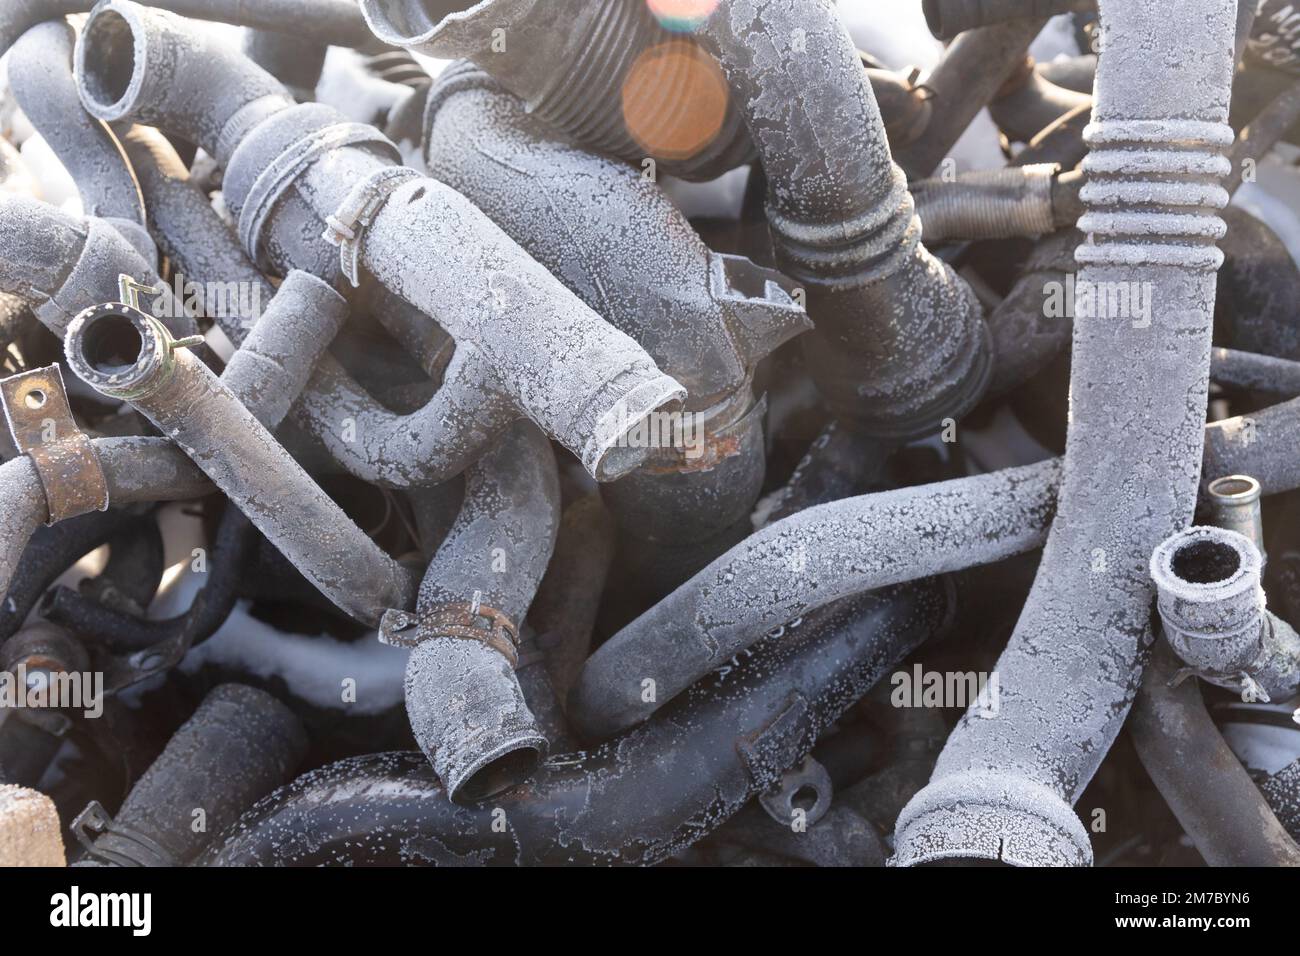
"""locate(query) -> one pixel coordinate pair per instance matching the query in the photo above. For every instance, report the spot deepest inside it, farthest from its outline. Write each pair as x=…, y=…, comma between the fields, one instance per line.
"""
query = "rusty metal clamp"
x=460, y=620
x=40, y=420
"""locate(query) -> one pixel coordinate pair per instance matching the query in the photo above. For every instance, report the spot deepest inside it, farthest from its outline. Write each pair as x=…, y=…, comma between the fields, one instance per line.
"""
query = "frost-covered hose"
x=801, y=563
x=128, y=355
x=568, y=599
x=1211, y=603
x=239, y=745
x=136, y=469
x=1002, y=789
x=1199, y=776
x=633, y=801
x=899, y=344
x=313, y=191
x=1261, y=444
x=40, y=76
x=335, y=22
x=463, y=697
x=1028, y=334
x=296, y=327
x=621, y=77
x=61, y=264
x=190, y=232
x=706, y=319
x=367, y=439
x=640, y=264
x=1247, y=370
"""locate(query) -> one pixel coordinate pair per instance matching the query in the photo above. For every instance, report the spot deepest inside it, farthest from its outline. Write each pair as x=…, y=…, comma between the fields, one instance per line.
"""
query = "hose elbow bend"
x=41, y=77
x=153, y=67
x=899, y=343
x=463, y=696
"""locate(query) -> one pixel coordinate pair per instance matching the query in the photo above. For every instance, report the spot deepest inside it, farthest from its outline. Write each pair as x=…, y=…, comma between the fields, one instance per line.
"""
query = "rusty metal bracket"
x=40, y=420
x=460, y=620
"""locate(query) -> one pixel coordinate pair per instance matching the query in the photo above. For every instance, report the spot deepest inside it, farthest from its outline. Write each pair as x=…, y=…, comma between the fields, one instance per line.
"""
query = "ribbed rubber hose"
x=1002, y=789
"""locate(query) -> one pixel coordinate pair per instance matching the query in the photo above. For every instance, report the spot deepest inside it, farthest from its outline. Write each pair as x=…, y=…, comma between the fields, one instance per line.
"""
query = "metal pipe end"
x=469, y=716
x=983, y=816
x=110, y=60
x=1234, y=502
x=120, y=351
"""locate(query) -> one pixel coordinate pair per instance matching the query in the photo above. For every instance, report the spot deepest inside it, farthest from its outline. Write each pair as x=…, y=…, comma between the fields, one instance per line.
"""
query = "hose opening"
x=416, y=19
x=118, y=351
x=805, y=798
x=112, y=344
x=1206, y=562
x=108, y=62
x=498, y=775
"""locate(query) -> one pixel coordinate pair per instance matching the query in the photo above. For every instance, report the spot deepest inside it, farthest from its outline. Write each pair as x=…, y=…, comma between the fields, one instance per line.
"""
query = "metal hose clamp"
x=459, y=620
x=273, y=181
x=346, y=228
x=136, y=849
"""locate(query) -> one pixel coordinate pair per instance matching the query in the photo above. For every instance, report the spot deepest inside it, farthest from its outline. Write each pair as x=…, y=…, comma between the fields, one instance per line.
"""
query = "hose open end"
x=119, y=351
x=619, y=443
x=470, y=718
x=111, y=61
x=978, y=817
x=139, y=63
x=1210, y=598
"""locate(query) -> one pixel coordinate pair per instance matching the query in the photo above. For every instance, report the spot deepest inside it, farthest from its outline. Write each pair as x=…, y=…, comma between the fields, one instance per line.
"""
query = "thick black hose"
x=213, y=603
x=636, y=800
x=51, y=551
x=1200, y=778
x=239, y=745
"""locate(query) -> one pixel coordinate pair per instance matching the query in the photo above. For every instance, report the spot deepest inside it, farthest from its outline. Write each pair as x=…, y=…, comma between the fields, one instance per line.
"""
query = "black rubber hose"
x=947, y=18
x=134, y=569
x=840, y=463
x=240, y=744
x=52, y=550
x=1203, y=782
x=564, y=610
x=121, y=631
x=635, y=800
